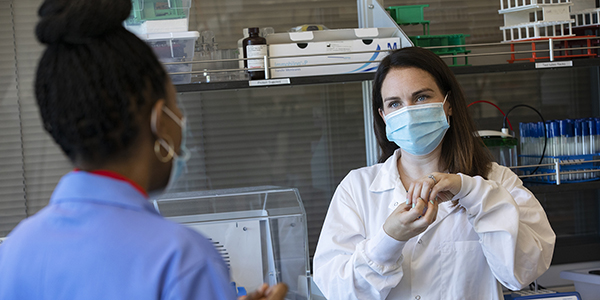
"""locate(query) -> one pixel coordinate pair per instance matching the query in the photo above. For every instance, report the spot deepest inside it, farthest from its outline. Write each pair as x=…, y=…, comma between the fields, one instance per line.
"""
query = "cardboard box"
x=292, y=53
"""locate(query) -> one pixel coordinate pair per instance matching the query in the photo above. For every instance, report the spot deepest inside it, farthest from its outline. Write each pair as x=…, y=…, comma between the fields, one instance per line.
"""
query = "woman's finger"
x=426, y=184
x=446, y=187
x=409, y=194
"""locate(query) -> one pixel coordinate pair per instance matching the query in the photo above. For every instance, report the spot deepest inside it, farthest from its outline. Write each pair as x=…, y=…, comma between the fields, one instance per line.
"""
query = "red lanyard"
x=117, y=176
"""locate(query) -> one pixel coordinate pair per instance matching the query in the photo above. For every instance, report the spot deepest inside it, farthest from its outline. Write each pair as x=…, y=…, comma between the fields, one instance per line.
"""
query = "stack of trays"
x=164, y=26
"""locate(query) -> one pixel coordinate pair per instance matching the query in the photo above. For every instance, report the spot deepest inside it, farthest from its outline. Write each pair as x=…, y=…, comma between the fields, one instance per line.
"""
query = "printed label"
x=554, y=64
x=256, y=51
x=269, y=82
x=341, y=46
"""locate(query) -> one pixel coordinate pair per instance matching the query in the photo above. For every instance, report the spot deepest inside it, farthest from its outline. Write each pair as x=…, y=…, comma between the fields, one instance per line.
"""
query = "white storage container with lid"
x=174, y=47
x=587, y=282
x=154, y=16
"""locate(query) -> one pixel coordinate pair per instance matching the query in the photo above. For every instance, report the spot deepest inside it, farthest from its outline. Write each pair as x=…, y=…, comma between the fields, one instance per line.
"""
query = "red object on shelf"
x=565, y=46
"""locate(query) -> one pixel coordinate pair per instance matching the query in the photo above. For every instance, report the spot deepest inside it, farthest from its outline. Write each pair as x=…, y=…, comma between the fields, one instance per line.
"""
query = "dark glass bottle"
x=255, y=46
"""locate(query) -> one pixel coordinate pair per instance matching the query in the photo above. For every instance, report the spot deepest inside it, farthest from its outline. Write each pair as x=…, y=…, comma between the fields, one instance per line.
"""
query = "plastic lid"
x=493, y=133
x=592, y=126
x=524, y=129
x=585, y=127
x=577, y=127
x=552, y=129
x=170, y=35
x=539, y=129
x=566, y=128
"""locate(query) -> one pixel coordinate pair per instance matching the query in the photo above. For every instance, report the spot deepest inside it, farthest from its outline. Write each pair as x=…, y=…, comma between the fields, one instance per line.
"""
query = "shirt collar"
x=387, y=177
x=81, y=186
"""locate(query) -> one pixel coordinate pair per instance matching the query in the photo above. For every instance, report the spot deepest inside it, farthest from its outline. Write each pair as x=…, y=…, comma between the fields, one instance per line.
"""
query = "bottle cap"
x=523, y=129
x=539, y=129
x=556, y=128
x=566, y=128
x=254, y=30
x=592, y=126
x=577, y=127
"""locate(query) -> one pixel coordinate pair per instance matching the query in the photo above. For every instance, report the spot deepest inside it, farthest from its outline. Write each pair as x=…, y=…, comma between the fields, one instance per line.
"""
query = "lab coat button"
x=420, y=242
x=417, y=297
x=395, y=203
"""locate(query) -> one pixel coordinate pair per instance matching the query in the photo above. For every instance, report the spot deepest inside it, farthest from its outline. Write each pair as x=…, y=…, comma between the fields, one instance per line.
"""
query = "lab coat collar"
x=79, y=186
x=387, y=178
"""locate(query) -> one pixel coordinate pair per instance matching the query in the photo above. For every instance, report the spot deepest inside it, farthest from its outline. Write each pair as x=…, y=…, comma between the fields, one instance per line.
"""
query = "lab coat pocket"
x=464, y=270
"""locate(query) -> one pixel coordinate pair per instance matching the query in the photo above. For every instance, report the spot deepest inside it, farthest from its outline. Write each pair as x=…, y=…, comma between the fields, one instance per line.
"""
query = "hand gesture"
x=407, y=221
x=276, y=292
x=439, y=187
x=420, y=210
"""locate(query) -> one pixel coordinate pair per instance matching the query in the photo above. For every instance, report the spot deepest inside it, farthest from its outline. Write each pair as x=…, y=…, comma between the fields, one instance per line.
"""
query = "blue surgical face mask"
x=179, y=165
x=417, y=129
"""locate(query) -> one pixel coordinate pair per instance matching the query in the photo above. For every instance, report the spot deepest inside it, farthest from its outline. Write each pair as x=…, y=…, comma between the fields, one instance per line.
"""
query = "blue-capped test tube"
x=539, y=140
x=585, y=130
x=593, y=136
x=597, y=146
x=524, y=135
x=567, y=143
x=553, y=145
x=592, y=132
x=578, y=142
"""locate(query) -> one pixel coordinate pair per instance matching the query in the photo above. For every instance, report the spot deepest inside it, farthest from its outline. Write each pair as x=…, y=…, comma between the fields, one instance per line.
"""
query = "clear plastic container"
x=156, y=16
x=261, y=232
x=174, y=47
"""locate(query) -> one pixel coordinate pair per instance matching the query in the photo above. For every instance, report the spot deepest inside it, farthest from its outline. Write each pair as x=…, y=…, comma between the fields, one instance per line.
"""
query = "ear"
x=382, y=115
x=157, y=119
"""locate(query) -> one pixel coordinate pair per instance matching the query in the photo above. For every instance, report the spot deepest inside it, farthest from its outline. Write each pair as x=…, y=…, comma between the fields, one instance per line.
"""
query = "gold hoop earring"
x=168, y=147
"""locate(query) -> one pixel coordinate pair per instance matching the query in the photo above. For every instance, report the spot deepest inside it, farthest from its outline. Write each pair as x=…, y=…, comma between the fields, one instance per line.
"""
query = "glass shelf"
x=341, y=78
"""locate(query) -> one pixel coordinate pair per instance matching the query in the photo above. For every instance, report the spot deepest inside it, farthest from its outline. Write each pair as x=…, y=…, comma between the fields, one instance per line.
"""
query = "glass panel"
x=563, y=93
x=306, y=137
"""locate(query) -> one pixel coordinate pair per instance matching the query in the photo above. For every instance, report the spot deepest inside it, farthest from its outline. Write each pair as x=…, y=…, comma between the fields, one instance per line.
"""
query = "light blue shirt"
x=100, y=238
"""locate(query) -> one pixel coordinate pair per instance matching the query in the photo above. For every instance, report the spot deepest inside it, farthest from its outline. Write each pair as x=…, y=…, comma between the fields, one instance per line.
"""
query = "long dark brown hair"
x=462, y=149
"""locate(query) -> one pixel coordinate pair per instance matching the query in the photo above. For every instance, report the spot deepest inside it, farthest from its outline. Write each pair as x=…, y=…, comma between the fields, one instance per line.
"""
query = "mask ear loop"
x=444, y=102
x=167, y=144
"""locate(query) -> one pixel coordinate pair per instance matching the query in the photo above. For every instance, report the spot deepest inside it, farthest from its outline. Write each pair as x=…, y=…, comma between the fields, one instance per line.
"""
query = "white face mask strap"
x=444, y=102
x=173, y=116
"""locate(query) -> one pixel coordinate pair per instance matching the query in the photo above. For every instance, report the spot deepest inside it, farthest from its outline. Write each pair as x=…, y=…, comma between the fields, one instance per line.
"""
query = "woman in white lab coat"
x=436, y=218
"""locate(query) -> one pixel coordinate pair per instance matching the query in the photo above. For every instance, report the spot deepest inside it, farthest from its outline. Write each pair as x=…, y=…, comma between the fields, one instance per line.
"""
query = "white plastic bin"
x=156, y=16
x=586, y=284
x=174, y=47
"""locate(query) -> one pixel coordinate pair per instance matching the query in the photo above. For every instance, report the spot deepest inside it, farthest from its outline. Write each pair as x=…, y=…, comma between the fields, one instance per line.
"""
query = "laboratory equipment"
x=587, y=282
x=571, y=143
x=255, y=46
x=154, y=16
x=260, y=232
x=174, y=47
x=503, y=146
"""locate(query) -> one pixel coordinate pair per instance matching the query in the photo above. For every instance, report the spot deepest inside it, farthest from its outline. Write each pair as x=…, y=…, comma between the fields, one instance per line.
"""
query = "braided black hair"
x=95, y=78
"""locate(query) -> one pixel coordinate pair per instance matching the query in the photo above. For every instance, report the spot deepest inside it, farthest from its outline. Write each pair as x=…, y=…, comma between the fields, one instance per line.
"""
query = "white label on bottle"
x=256, y=51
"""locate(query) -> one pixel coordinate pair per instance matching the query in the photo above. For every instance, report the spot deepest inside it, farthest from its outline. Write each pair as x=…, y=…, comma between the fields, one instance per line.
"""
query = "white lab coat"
x=497, y=234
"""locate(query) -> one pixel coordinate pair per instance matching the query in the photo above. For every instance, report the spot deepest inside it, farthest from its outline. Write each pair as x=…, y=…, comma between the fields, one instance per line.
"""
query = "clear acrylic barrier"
x=260, y=232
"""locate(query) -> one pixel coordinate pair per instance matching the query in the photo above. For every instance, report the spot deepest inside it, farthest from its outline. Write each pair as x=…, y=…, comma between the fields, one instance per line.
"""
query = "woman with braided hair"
x=109, y=104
